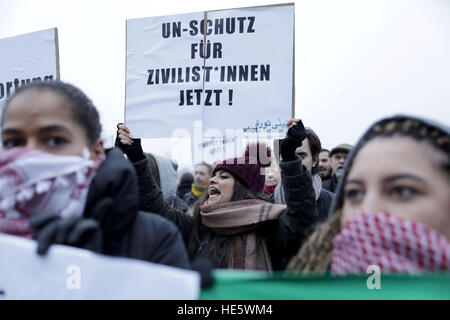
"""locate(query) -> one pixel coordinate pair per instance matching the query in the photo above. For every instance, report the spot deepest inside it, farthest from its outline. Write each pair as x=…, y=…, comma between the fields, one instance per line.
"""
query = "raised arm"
x=299, y=195
x=150, y=195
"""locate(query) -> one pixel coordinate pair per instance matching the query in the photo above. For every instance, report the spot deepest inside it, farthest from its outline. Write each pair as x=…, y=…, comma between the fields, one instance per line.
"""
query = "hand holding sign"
x=124, y=135
x=131, y=147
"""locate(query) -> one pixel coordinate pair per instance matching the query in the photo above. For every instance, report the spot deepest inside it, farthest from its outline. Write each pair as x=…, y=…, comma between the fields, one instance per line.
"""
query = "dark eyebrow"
x=356, y=181
x=52, y=128
x=11, y=131
x=403, y=176
x=391, y=178
x=46, y=129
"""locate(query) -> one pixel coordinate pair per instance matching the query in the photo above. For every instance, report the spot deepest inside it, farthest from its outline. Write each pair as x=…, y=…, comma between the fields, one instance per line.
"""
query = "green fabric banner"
x=248, y=285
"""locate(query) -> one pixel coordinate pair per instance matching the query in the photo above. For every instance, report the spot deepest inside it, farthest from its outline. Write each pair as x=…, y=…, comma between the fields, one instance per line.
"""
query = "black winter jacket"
x=284, y=236
x=178, y=203
x=323, y=204
x=189, y=198
x=183, y=188
x=113, y=200
x=330, y=184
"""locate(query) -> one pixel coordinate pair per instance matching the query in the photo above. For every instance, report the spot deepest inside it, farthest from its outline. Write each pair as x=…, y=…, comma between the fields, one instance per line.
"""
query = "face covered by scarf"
x=392, y=243
x=35, y=182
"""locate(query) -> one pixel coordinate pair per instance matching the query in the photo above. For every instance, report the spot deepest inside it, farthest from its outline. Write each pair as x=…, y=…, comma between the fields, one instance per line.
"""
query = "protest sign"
x=217, y=149
x=227, y=70
x=27, y=58
x=72, y=273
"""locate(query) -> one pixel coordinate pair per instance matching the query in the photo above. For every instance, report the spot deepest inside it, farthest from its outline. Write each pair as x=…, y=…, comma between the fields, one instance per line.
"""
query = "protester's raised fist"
x=294, y=137
x=296, y=130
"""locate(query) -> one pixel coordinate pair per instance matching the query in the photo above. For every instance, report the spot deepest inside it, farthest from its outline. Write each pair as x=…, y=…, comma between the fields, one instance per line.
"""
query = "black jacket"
x=113, y=200
x=183, y=188
x=284, y=236
x=330, y=184
x=189, y=198
x=323, y=204
x=178, y=203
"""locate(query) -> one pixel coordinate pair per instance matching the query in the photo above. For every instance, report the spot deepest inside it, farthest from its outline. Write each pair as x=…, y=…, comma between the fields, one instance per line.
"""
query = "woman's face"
x=220, y=189
x=41, y=119
x=401, y=177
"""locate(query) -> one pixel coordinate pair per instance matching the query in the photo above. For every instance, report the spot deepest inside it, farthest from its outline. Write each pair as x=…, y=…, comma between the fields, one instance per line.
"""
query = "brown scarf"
x=241, y=219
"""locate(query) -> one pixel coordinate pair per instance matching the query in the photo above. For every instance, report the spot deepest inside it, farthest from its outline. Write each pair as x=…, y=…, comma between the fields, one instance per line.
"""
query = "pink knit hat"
x=247, y=169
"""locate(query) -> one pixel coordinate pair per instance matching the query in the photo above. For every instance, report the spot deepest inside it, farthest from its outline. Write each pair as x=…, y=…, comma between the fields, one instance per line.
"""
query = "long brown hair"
x=217, y=247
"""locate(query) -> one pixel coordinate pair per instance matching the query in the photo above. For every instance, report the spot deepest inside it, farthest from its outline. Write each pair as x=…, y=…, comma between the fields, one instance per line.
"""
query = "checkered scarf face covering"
x=32, y=181
x=392, y=243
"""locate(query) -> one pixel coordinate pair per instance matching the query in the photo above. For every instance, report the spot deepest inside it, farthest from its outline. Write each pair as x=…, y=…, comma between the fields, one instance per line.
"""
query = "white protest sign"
x=27, y=58
x=227, y=70
x=72, y=273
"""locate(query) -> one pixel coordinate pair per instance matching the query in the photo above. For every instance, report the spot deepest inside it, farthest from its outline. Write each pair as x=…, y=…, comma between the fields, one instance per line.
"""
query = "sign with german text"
x=218, y=74
x=27, y=58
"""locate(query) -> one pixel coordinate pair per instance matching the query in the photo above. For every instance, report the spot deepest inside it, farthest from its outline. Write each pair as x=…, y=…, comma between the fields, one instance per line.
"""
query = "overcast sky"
x=355, y=60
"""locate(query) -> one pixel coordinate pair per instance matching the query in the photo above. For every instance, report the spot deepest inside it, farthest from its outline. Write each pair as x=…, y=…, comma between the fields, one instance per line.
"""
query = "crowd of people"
x=384, y=201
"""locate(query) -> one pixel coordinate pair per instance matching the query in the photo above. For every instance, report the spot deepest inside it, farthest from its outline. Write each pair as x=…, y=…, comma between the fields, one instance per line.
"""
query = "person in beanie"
x=394, y=215
x=232, y=224
x=337, y=156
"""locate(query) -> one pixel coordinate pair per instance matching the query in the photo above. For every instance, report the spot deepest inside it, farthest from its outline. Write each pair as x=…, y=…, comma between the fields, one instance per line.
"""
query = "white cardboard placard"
x=71, y=273
x=244, y=83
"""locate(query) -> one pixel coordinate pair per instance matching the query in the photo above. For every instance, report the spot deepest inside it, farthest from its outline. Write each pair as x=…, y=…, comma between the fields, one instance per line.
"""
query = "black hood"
x=432, y=124
x=113, y=197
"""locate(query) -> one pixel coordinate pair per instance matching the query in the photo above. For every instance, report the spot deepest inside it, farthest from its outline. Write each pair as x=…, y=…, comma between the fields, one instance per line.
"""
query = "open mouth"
x=213, y=192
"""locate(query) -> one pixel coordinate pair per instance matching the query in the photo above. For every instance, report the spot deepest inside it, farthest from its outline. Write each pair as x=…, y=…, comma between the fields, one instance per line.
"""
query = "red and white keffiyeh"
x=33, y=181
x=392, y=243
